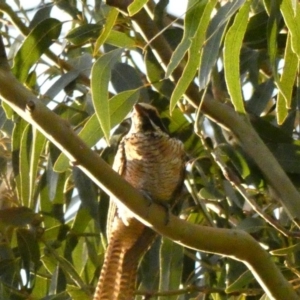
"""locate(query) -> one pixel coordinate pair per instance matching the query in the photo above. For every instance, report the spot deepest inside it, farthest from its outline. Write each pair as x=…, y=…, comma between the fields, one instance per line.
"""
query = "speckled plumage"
x=152, y=162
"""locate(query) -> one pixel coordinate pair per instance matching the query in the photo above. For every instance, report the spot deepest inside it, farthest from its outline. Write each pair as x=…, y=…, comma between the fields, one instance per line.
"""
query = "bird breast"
x=154, y=164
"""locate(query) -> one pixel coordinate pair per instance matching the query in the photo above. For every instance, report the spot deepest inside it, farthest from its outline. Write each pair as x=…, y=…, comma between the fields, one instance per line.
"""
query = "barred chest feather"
x=154, y=163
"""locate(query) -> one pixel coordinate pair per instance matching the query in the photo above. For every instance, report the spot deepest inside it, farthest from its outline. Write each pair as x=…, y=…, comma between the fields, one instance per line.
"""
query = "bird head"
x=145, y=118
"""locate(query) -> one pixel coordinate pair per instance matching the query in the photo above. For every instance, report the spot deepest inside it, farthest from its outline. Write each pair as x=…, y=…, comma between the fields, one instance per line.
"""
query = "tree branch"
x=232, y=243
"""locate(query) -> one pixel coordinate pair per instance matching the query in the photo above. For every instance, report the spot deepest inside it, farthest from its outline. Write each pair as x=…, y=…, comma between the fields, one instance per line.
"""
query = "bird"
x=153, y=163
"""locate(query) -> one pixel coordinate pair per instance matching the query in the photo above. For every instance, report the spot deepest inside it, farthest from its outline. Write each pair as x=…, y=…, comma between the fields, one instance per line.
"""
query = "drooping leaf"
x=191, y=22
x=110, y=22
x=36, y=43
x=286, y=82
x=87, y=192
x=24, y=165
x=171, y=255
x=38, y=144
x=291, y=17
x=214, y=37
x=273, y=10
x=232, y=48
x=100, y=77
x=156, y=74
x=192, y=63
x=29, y=250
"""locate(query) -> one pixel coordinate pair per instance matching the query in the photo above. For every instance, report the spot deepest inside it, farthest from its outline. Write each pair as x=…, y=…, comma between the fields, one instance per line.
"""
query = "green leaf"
x=272, y=31
x=124, y=77
x=291, y=17
x=77, y=293
x=286, y=250
x=251, y=225
x=36, y=43
x=155, y=74
x=193, y=60
x=18, y=130
x=136, y=6
x=68, y=269
x=87, y=192
x=171, y=258
x=83, y=33
x=100, y=77
x=120, y=39
x=232, y=48
x=288, y=155
x=63, y=81
x=24, y=165
x=110, y=22
x=38, y=144
x=286, y=83
x=28, y=245
x=191, y=24
x=119, y=107
x=214, y=37
x=246, y=278
x=261, y=97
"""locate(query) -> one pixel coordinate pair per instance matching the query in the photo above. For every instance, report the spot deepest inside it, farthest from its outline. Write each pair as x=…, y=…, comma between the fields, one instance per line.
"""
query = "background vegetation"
x=225, y=78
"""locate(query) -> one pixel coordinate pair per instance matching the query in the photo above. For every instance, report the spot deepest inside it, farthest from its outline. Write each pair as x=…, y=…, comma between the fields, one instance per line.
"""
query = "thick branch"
x=232, y=243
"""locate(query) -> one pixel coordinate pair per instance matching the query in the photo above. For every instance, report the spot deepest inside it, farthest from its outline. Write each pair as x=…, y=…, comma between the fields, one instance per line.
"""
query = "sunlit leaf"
x=38, y=144
x=192, y=63
x=24, y=165
x=191, y=22
x=100, y=77
x=286, y=82
x=136, y=6
x=232, y=48
x=110, y=22
x=291, y=17
x=214, y=37
x=120, y=39
x=36, y=43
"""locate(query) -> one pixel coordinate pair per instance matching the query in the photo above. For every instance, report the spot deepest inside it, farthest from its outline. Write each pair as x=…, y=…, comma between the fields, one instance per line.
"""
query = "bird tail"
x=127, y=244
x=111, y=273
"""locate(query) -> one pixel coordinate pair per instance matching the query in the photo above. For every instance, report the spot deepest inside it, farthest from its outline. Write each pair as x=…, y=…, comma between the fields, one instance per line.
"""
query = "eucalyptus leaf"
x=36, y=43
x=101, y=73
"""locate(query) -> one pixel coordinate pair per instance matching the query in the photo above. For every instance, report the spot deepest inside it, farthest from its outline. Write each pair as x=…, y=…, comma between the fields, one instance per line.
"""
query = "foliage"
x=245, y=54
